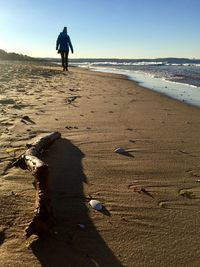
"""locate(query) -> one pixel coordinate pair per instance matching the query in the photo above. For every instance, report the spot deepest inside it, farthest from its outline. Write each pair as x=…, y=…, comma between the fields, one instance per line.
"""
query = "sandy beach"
x=151, y=194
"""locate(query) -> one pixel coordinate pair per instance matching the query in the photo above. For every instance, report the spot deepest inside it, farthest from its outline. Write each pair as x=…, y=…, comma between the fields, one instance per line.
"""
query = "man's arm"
x=58, y=42
x=70, y=45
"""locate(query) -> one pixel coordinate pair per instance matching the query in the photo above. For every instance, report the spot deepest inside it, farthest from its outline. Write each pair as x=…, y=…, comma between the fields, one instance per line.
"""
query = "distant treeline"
x=14, y=56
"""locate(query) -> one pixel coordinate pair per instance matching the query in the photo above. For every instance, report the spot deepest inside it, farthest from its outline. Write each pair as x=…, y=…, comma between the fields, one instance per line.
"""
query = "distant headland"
x=14, y=56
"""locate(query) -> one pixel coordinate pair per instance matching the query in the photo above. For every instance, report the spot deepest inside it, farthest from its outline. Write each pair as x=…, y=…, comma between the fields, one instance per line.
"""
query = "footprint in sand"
x=32, y=135
x=71, y=127
x=132, y=141
x=21, y=90
x=41, y=110
x=7, y=101
x=186, y=193
x=194, y=173
x=69, y=100
x=7, y=123
x=187, y=153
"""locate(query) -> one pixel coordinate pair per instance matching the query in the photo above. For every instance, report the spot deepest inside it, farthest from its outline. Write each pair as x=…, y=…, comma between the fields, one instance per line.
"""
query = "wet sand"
x=151, y=193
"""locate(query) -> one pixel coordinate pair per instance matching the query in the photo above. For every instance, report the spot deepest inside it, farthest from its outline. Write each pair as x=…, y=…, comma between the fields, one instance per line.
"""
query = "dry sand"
x=151, y=195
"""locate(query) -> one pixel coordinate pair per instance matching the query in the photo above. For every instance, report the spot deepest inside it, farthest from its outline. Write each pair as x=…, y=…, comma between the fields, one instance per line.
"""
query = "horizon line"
x=115, y=58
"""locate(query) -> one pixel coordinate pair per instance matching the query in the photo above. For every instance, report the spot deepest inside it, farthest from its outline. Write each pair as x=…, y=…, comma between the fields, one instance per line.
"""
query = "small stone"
x=95, y=204
x=119, y=150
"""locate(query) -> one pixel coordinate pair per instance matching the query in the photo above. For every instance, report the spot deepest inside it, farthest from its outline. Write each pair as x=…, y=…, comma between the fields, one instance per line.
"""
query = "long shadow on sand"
x=71, y=245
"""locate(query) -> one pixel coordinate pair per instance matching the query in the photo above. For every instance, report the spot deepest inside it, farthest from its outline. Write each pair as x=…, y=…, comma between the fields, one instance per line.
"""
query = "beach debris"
x=139, y=189
x=13, y=149
x=186, y=193
x=43, y=220
x=71, y=99
x=71, y=127
x=119, y=150
x=95, y=204
x=27, y=120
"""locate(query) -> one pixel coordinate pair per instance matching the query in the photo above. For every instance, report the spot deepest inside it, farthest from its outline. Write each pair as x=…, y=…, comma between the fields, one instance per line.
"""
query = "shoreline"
x=182, y=92
x=151, y=194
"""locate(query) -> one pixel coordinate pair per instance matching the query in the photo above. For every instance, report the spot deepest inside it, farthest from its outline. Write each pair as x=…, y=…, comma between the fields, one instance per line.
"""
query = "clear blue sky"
x=102, y=28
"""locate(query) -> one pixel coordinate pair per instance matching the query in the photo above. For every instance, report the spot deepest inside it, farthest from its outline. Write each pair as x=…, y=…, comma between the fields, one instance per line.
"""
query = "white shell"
x=119, y=150
x=95, y=204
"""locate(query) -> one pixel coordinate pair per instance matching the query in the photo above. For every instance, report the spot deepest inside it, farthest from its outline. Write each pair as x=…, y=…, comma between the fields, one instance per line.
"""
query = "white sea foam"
x=133, y=63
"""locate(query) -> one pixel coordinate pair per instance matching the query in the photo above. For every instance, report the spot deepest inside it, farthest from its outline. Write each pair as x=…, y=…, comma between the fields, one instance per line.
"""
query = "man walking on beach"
x=62, y=45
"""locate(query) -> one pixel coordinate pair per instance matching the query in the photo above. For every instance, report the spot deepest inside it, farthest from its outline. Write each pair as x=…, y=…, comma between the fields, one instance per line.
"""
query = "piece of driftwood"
x=43, y=220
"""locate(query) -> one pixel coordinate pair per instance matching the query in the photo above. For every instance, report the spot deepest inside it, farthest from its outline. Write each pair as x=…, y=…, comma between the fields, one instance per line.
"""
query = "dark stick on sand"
x=43, y=220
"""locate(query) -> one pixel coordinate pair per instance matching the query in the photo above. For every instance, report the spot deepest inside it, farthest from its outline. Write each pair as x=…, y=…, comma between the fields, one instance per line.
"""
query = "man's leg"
x=63, y=59
x=66, y=59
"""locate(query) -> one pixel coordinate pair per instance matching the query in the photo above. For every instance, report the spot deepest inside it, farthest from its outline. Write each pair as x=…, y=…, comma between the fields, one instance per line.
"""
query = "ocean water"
x=176, y=78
